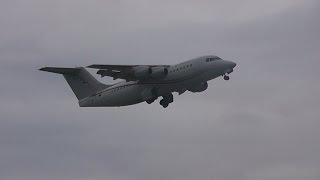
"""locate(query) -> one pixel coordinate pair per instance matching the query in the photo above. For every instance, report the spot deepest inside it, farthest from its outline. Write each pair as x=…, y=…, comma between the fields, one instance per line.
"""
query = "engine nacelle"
x=159, y=72
x=199, y=88
x=142, y=72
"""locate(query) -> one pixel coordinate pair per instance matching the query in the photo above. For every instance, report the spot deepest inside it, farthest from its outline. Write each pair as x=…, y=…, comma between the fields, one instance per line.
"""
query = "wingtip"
x=42, y=69
x=96, y=66
x=59, y=70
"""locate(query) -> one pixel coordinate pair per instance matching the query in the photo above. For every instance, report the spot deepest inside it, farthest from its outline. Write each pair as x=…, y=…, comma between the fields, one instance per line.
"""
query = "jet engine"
x=159, y=72
x=199, y=88
x=142, y=72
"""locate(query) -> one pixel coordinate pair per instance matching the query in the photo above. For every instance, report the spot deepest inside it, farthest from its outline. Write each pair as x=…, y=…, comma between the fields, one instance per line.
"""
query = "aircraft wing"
x=126, y=72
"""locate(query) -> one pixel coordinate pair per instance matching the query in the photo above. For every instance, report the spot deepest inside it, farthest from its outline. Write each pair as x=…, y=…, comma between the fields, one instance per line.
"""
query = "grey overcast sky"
x=263, y=124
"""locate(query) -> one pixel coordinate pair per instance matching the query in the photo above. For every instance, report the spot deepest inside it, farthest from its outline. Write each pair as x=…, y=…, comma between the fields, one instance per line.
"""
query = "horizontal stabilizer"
x=60, y=70
x=82, y=83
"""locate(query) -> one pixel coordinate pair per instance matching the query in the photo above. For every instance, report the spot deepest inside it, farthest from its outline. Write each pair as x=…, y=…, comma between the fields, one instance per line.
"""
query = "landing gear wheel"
x=150, y=101
x=226, y=77
x=164, y=103
x=169, y=98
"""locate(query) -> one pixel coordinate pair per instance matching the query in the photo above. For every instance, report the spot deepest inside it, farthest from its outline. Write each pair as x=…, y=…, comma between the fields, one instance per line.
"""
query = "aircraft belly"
x=123, y=97
x=172, y=87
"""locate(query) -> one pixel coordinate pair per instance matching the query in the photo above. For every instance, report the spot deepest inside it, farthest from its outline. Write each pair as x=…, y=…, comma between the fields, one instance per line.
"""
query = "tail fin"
x=82, y=83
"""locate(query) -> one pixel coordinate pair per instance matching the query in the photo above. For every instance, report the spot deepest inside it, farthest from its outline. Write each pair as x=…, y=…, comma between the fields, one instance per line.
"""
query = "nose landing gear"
x=225, y=75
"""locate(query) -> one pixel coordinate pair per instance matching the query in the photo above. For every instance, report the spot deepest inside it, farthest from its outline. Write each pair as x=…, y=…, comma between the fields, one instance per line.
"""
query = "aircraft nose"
x=231, y=64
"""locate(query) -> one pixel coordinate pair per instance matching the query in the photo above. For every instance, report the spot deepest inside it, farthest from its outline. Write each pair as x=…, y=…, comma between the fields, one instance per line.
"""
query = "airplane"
x=143, y=83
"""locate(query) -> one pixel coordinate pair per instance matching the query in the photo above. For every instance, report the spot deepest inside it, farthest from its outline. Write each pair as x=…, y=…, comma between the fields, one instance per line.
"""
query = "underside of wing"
x=116, y=74
x=131, y=72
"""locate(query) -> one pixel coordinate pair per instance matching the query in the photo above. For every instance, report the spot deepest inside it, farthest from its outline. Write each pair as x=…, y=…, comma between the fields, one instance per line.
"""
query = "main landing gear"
x=167, y=99
x=150, y=101
x=155, y=96
x=225, y=77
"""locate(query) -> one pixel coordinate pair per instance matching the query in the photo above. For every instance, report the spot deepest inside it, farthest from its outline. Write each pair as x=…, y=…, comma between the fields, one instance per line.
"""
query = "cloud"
x=286, y=172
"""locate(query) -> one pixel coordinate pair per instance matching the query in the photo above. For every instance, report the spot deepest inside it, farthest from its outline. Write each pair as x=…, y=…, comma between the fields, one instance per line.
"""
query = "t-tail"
x=82, y=83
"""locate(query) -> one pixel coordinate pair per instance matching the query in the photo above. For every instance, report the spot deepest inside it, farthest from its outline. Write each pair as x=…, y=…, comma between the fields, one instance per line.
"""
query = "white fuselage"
x=180, y=78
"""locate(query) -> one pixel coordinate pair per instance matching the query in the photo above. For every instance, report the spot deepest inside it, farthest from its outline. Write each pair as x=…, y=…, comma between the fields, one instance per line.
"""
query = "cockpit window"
x=213, y=59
